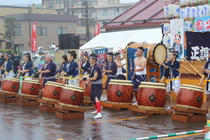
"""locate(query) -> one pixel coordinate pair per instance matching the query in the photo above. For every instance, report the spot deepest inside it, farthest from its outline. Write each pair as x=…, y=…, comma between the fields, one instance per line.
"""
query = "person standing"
x=16, y=62
x=110, y=68
x=48, y=70
x=85, y=64
x=172, y=75
x=120, y=65
x=26, y=68
x=96, y=89
x=71, y=72
x=140, y=72
x=7, y=67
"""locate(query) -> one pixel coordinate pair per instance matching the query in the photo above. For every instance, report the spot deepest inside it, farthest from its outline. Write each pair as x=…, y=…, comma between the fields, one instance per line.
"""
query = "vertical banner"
x=97, y=29
x=101, y=55
x=198, y=45
x=177, y=36
x=34, y=38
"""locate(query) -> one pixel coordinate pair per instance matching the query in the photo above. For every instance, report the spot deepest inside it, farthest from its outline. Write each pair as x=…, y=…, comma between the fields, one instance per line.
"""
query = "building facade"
x=49, y=26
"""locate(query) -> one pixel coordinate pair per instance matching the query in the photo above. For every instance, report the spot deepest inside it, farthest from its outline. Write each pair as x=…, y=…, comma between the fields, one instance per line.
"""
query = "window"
x=17, y=30
x=83, y=23
x=41, y=31
x=109, y=1
x=51, y=4
x=62, y=30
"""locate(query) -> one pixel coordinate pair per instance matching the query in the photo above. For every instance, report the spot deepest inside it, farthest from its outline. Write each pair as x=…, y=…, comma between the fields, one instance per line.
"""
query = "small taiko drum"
x=157, y=54
x=120, y=91
x=190, y=96
x=30, y=88
x=71, y=96
x=52, y=91
x=87, y=90
x=11, y=85
x=151, y=94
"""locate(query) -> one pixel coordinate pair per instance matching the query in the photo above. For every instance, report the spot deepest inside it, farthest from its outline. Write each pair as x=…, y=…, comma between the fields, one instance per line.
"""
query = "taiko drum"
x=30, y=87
x=11, y=85
x=87, y=90
x=71, y=95
x=190, y=95
x=151, y=94
x=61, y=80
x=120, y=91
x=52, y=91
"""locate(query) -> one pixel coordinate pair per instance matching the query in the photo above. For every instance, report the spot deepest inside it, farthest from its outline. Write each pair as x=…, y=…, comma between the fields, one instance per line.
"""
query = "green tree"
x=9, y=31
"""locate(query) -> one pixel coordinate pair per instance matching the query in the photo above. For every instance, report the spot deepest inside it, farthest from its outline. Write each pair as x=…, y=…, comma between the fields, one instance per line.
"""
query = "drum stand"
x=47, y=105
x=27, y=100
x=188, y=114
x=147, y=110
x=69, y=112
x=86, y=101
x=7, y=97
x=116, y=106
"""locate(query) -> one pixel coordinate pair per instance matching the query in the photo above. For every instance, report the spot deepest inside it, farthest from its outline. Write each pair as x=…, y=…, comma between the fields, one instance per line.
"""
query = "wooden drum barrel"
x=52, y=91
x=190, y=95
x=120, y=91
x=87, y=90
x=11, y=85
x=30, y=88
x=71, y=95
x=152, y=94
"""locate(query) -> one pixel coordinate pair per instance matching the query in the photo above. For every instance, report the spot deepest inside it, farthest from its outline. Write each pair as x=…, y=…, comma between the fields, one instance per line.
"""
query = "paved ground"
x=17, y=123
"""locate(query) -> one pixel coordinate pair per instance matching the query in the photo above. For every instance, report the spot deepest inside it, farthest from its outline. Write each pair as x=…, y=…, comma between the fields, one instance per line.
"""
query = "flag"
x=97, y=29
x=34, y=38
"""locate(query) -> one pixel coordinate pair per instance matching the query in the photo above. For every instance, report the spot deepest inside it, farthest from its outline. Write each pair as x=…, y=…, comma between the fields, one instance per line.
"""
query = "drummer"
x=110, y=69
x=172, y=75
x=71, y=72
x=85, y=64
x=26, y=69
x=48, y=70
x=6, y=68
x=63, y=65
x=139, y=69
x=120, y=65
x=96, y=88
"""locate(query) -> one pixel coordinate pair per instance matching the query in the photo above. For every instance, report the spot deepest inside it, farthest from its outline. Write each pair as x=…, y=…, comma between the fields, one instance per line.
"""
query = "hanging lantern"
x=166, y=28
x=182, y=13
x=193, y=12
x=205, y=10
x=200, y=10
x=176, y=10
x=187, y=2
x=187, y=12
x=170, y=6
x=166, y=11
x=182, y=2
x=188, y=25
x=166, y=40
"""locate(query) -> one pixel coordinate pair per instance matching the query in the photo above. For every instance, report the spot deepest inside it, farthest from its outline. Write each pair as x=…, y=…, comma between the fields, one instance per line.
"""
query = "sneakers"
x=94, y=112
x=98, y=116
x=169, y=108
x=135, y=103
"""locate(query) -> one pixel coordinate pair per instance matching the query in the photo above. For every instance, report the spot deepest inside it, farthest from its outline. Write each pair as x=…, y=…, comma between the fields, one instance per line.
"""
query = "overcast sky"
x=26, y=2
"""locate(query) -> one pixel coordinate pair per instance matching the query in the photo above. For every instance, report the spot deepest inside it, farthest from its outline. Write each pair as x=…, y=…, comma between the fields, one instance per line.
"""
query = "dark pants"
x=96, y=91
x=137, y=81
x=15, y=69
x=107, y=81
x=121, y=77
x=45, y=81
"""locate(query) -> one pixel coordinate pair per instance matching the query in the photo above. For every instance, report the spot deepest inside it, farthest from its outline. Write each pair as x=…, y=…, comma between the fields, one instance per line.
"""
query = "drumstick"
x=131, y=64
x=40, y=76
x=194, y=68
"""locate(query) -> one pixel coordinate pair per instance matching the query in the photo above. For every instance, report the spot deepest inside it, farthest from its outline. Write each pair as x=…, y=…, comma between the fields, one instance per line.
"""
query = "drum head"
x=159, y=53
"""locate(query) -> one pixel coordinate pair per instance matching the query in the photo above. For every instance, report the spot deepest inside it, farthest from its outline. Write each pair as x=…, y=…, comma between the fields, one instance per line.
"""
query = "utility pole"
x=87, y=21
x=29, y=24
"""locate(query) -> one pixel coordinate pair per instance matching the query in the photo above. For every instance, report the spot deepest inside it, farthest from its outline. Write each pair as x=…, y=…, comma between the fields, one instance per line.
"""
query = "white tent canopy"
x=122, y=38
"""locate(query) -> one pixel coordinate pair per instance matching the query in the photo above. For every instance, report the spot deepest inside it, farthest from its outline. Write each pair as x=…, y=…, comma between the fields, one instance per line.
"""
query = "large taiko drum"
x=87, y=90
x=120, y=91
x=157, y=54
x=11, y=85
x=71, y=95
x=190, y=96
x=52, y=91
x=30, y=88
x=151, y=94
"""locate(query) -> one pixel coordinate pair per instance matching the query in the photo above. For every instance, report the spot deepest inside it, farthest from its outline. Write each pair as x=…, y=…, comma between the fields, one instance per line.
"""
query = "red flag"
x=97, y=29
x=34, y=38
